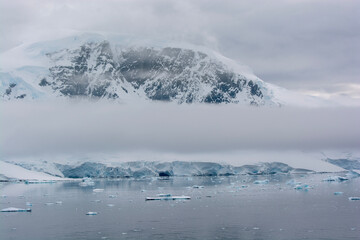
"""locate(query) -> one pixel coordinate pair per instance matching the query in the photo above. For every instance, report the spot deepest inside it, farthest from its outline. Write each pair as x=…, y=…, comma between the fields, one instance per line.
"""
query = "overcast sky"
x=310, y=46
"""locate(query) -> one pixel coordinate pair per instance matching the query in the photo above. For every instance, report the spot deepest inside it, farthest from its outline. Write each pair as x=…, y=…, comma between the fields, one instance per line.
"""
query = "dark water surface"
x=226, y=208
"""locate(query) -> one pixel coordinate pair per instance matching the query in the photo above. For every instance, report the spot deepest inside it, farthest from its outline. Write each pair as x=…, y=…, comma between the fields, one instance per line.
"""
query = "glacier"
x=146, y=169
x=118, y=165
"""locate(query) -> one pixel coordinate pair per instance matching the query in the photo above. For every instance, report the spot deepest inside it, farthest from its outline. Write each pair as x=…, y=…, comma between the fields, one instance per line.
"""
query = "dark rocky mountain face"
x=174, y=73
x=99, y=70
x=91, y=72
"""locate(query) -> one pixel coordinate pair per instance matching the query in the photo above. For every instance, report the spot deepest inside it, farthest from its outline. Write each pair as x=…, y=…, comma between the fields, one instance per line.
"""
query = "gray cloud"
x=306, y=45
x=77, y=128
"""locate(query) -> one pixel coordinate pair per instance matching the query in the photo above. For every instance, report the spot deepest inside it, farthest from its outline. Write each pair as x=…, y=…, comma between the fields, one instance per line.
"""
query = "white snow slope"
x=10, y=171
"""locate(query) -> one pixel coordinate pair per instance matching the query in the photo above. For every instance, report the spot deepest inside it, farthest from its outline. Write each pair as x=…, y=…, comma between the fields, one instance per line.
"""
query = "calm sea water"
x=226, y=208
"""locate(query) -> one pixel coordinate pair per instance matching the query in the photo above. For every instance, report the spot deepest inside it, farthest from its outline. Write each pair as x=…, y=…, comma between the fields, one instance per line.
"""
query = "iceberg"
x=167, y=197
x=13, y=209
x=87, y=182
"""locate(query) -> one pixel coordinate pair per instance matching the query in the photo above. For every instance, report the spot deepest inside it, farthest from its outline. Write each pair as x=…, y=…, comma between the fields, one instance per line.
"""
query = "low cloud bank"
x=74, y=128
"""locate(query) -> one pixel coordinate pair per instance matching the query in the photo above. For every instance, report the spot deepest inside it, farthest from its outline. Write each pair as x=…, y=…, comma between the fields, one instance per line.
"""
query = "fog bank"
x=77, y=128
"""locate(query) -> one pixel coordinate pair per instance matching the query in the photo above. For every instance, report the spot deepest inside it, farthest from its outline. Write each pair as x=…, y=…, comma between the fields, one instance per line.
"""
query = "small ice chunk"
x=91, y=213
x=49, y=203
x=13, y=209
x=261, y=181
x=197, y=186
x=338, y=193
x=110, y=205
x=58, y=202
x=112, y=196
x=354, y=198
x=28, y=204
x=98, y=190
x=244, y=186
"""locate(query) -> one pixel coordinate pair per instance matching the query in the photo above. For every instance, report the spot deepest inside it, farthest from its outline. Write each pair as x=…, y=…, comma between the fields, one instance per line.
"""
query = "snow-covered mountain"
x=121, y=69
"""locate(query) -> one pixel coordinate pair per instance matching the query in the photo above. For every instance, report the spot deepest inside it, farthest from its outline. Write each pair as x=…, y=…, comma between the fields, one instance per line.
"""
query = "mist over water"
x=88, y=127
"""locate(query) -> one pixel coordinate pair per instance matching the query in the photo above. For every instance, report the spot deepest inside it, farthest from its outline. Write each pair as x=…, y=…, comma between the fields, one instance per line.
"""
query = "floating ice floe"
x=28, y=204
x=197, y=186
x=58, y=202
x=167, y=197
x=354, y=198
x=13, y=209
x=302, y=187
x=112, y=196
x=261, y=181
x=335, y=179
x=338, y=193
x=91, y=213
x=98, y=190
